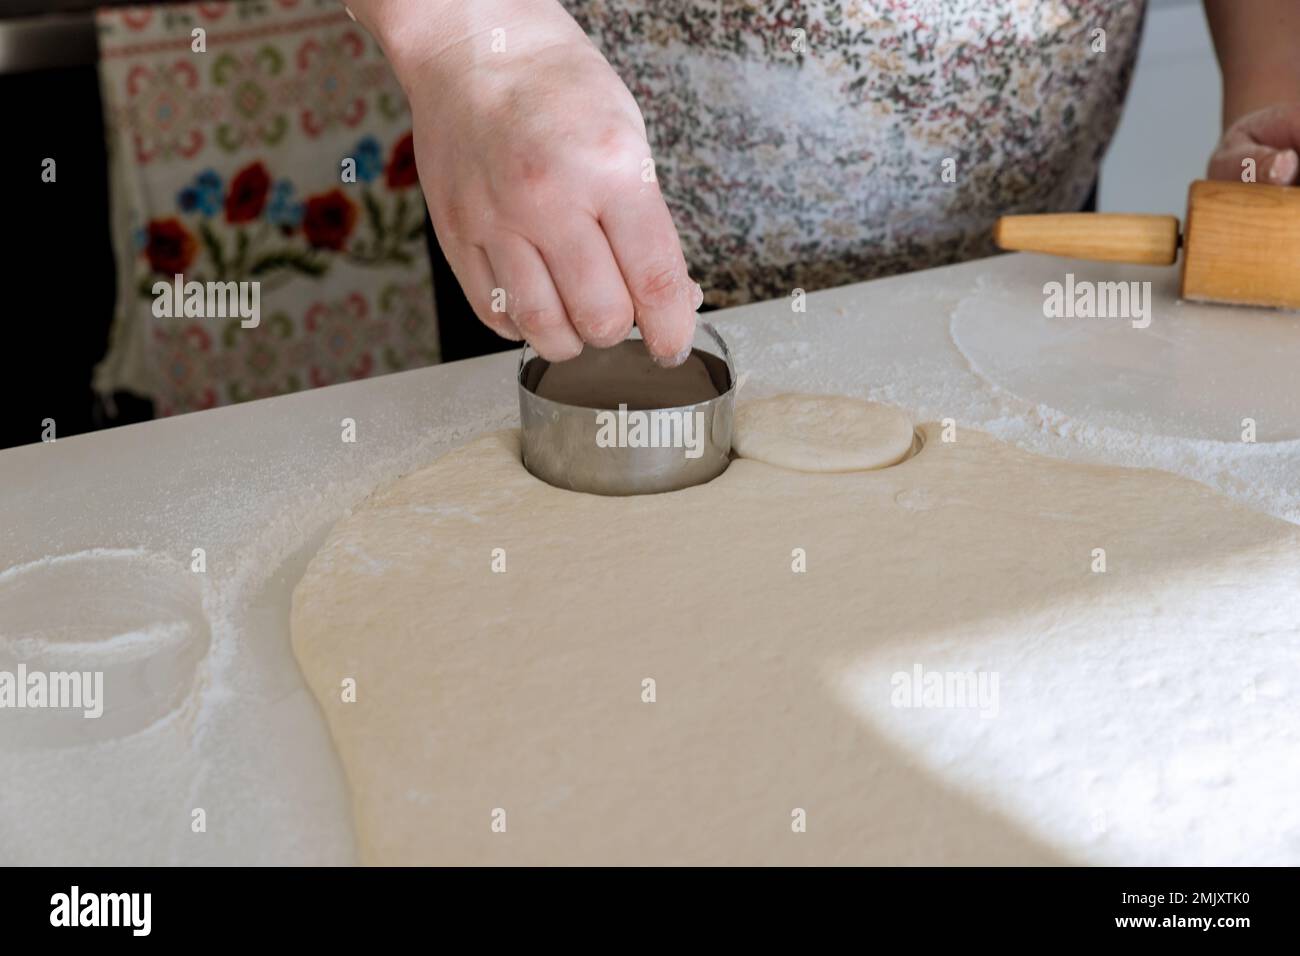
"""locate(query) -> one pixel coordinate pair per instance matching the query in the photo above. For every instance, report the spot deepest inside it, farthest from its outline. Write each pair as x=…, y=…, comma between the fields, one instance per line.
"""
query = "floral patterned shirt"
x=812, y=143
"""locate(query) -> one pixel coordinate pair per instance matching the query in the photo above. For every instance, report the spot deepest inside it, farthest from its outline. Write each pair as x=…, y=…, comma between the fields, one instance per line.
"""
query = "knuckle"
x=537, y=321
x=603, y=323
x=658, y=287
x=619, y=150
x=452, y=224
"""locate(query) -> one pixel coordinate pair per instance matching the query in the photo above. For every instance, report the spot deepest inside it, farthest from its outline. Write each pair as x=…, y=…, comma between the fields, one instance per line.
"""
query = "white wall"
x=1171, y=121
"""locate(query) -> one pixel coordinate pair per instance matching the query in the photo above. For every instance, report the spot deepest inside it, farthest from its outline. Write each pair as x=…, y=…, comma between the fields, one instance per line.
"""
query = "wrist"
x=443, y=38
x=1265, y=86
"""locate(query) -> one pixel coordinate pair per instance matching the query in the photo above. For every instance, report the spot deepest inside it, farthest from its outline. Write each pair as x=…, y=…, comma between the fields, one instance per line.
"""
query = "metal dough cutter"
x=614, y=422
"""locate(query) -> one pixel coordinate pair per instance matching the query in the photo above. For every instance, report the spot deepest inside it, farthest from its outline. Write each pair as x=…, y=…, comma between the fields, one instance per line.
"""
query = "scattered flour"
x=897, y=342
x=898, y=357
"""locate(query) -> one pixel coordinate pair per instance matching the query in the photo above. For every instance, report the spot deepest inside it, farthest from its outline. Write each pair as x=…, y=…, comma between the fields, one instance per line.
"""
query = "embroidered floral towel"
x=261, y=152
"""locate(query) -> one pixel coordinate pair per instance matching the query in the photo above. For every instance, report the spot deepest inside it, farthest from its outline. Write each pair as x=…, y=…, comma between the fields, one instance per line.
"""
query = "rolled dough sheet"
x=519, y=697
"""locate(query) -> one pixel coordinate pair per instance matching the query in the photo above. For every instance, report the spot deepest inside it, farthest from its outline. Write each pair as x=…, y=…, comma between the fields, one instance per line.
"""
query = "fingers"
x=1277, y=126
x=477, y=281
x=589, y=282
x=534, y=304
x=575, y=257
x=1270, y=138
x=579, y=290
x=641, y=234
x=1273, y=166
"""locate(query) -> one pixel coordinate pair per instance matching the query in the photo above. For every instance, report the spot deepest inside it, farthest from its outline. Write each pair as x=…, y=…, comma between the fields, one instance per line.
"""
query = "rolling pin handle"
x=1104, y=237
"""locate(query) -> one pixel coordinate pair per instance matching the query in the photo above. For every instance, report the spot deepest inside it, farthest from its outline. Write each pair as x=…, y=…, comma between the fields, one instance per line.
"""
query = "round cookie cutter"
x=675, y=433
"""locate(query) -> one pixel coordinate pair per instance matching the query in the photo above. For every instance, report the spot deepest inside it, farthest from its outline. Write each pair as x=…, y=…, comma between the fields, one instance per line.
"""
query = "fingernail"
x=1283, y=167
x=674, y=360
x=697, y=297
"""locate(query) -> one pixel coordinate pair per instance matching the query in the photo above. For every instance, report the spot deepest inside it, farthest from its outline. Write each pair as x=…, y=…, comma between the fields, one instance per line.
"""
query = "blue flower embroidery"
x=204, y=195
x=281, y=208
x=370, y=159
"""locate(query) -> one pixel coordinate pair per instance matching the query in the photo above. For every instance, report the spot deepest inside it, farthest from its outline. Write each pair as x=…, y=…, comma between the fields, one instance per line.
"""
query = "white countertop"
x=99, y=530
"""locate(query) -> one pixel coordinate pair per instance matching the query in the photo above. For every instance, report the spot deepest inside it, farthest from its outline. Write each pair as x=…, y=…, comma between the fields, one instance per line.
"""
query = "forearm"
x=1258, y=46
x=448, y=35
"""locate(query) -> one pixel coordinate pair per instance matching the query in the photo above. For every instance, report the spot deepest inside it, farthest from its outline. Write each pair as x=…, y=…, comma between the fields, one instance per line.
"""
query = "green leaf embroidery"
x=374, y=214
x=288, y=259
x=241, y=252
x=399, y=215
x=213, y=245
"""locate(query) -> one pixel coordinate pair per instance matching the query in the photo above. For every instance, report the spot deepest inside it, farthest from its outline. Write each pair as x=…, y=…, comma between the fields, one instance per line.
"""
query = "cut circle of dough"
x=821, y=433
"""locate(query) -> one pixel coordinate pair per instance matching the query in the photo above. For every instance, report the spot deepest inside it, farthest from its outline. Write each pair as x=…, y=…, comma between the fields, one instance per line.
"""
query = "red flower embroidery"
x=247, y=194
x=136, y=19
x=401, y=171
x=328, y=219
x=215, y=10
x=170, y=247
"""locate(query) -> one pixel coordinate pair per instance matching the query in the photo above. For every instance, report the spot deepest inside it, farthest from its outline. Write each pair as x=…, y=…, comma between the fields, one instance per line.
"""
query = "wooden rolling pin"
x=1241, y=243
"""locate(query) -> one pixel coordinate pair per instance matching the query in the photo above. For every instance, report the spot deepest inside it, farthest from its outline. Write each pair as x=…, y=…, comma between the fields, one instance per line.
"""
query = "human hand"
x=1270, y=137
x=538, y=176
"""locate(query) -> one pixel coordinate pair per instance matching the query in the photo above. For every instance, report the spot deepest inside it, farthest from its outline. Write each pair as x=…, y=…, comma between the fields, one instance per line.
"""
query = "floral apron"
x=227, y=167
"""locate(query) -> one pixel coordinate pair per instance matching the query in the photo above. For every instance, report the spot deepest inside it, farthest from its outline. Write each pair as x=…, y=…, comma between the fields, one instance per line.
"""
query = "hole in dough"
x=626, y=374
x=133, y=617
x=822, y=433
